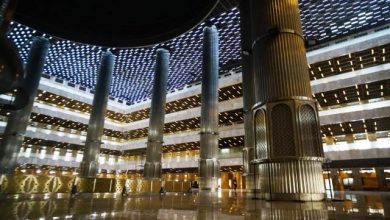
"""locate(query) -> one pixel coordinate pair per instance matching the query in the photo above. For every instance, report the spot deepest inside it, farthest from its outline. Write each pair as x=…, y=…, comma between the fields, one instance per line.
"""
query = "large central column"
x=248, y=91
x=18, y=120
x=152, y=169
x=288, y=144
x=90, y=165
x=208, y=161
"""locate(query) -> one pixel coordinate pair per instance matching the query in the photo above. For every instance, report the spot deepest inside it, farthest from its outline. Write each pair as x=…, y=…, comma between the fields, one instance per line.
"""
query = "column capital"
x=163, y=49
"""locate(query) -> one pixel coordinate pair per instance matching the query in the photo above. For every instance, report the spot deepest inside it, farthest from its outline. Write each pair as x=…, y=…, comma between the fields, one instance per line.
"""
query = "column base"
x=208, y=184
x=151, y=185
x=86, y=185
x=89, y=169
x=315, y=210
x=208, y=174
x=249, y=182
x=294, y=180
x=303, y=197
x=152, y=170
x=8, y=160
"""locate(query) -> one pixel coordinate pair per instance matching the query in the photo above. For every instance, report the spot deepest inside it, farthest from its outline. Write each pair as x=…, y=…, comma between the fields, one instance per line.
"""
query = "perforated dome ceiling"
x=133, y=74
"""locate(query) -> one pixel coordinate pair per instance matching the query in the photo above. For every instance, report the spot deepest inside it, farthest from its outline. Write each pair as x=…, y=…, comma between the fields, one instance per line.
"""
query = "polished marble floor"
x=222, y=205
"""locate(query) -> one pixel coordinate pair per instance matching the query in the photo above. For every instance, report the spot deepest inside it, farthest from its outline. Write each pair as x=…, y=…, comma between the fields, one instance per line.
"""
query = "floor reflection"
x=222, y=205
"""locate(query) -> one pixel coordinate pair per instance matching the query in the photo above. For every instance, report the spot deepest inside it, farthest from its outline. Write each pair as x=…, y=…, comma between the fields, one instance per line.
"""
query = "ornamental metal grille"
x=309, y=131
x=282, y=131
x=261, y=139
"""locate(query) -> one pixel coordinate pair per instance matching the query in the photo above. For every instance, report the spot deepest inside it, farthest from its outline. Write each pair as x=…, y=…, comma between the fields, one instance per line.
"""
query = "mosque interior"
x=237, y=109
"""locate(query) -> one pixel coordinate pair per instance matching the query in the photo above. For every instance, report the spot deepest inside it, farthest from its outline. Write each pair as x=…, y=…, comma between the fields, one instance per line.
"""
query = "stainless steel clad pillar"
x=18, y=120
x=208, y=161
x=248, y=87
x=153, y=167
x=287, y=135
x=90, y=165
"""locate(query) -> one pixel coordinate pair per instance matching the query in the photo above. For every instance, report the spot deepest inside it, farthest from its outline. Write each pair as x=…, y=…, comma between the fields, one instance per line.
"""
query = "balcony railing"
x=167, y=163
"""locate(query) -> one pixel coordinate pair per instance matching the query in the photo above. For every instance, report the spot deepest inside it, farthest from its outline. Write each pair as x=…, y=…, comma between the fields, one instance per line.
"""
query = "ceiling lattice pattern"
x=133, y=74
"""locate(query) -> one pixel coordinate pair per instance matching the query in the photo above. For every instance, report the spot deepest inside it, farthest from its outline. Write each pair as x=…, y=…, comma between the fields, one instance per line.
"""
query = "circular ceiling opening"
x=120, y=23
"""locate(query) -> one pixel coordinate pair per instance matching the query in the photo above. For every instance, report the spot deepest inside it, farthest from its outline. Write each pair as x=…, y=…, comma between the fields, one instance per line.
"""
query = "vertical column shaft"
x=248, y=90
x=381, y=177
x=357, y=179
x=208, y=162
x=334, y=175
x=153, y=167
x=18, y=120
x=90, y=165
x=279, y=51
x=287, y=137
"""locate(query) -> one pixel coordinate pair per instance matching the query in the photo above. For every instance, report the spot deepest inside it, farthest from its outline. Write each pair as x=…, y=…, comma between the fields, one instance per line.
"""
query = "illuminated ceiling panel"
x=133, y=74
x=360, y=126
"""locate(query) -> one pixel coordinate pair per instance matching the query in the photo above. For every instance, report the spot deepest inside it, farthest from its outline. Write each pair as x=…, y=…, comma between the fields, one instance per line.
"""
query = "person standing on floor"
x=234, y=184
x=124, y=191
